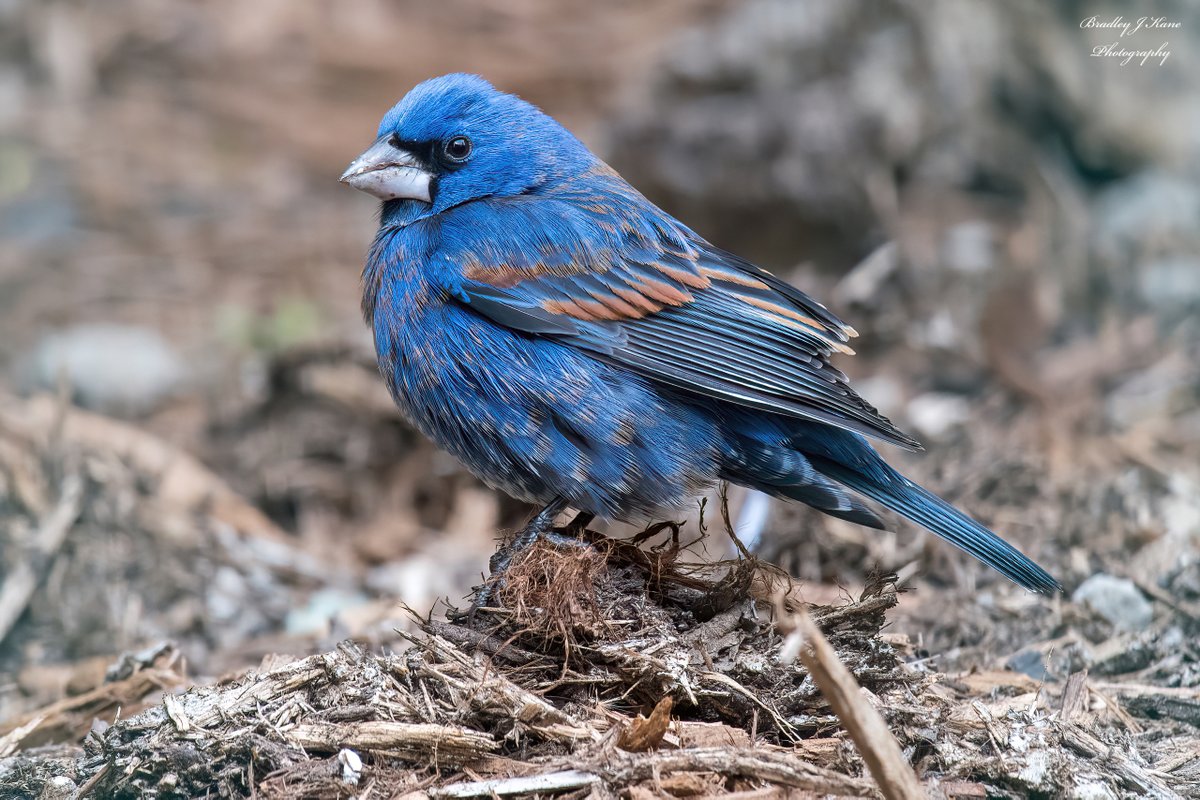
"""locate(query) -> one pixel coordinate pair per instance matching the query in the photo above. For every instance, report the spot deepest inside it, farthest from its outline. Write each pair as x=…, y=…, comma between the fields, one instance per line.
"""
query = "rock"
x=38, y=202
x=969, y=247
x=883, y=391
x=1151, y=204
x=351, y=764
x=115, y=369
x=1152, y=393
x=1117, y=600
x=60, y=787
x=423, y=577
x=324, y=606
x=762, y=113
x=756, y=111
x=934, y=413
x=1171, y=283
x=1145, y=234
x=1031, y=663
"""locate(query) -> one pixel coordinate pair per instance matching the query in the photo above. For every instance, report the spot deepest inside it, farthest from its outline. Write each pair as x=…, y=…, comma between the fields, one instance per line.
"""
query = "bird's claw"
x=537, y=530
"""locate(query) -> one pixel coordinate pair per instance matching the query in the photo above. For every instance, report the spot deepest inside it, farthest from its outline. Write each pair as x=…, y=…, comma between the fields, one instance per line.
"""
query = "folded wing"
x=598, y=267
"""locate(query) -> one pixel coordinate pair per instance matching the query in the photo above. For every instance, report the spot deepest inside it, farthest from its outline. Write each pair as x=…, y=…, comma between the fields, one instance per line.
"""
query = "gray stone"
x=60, y=787
x=935, y=413
x=116, y=369
x=1031, y=663
x=1151, y=205
x=1172, y=282
x=324, y=606
x=1117, y=600
x=969, y=247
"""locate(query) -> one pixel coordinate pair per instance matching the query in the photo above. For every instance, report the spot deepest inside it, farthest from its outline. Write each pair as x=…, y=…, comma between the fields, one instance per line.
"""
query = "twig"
x=782, y=724
x=986, y=719
x=617, y=770
x=67, y=719
x=493, y=646
x=548, y=783
x=11, y=741
x=449, y=742
x=728, y=520
x=91, y=783
x=1189, y=610
x=493, y=691
x=866, y=727
x=181, y=479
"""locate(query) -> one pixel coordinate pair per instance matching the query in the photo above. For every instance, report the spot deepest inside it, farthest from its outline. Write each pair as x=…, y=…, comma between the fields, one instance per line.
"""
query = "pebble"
x=935, y=413
x=352, y=766
x=115, y=369
x=60, y=787
x=323, y=607
x=1117, y=600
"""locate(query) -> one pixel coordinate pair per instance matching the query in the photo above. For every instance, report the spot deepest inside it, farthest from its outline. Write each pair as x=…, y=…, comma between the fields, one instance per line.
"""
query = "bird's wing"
x=641, y=291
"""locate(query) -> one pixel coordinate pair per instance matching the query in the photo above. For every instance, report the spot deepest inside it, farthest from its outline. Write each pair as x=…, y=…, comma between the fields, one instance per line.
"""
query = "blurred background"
x=1011, y=223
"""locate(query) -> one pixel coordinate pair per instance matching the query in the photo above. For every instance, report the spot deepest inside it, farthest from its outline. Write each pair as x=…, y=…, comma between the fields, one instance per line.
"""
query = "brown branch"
x=866, y=727
x=443, y=742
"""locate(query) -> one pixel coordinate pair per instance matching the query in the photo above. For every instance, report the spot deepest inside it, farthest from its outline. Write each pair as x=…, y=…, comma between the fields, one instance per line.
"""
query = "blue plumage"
x=569, y=341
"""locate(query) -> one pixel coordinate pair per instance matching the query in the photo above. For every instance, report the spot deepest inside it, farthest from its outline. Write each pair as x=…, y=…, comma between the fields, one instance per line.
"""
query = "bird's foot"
x=576, y=529
x=540, y=528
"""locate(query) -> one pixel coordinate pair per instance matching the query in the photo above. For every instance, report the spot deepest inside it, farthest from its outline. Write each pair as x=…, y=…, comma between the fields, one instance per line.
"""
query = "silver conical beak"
x=389, y=173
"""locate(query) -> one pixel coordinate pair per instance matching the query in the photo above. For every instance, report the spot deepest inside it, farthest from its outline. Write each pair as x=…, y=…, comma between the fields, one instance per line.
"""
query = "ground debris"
x=625, y=683
x=112, y=537
x=627, y=627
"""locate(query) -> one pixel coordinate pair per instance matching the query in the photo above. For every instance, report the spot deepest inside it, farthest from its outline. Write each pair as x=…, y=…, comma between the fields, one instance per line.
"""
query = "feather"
x=645, y=293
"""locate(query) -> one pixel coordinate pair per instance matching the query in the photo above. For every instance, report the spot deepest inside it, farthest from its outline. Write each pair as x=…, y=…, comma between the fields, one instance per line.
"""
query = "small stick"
x=407, y=737
x=549, y=783
x=90, y=784
x=866, y=727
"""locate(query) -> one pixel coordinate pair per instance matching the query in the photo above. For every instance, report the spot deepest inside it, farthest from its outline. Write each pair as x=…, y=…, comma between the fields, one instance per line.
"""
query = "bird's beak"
x=388, y=173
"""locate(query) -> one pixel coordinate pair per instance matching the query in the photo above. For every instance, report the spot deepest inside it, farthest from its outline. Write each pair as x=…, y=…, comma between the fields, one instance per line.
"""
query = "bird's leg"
x=502, y=559
x=578, y=526
x=572, y=534
x=537, y=527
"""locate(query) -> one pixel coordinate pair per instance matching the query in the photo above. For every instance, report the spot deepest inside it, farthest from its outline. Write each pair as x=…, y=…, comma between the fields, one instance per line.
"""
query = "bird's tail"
x=901, y=495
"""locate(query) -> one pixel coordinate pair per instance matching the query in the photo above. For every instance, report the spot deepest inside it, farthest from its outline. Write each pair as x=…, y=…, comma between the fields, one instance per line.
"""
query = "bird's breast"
x=532, y=415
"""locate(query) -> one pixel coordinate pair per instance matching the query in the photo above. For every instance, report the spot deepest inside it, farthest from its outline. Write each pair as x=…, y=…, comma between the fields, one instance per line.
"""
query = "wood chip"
x=646, y=733
x=442, y=741
x=1075, y=696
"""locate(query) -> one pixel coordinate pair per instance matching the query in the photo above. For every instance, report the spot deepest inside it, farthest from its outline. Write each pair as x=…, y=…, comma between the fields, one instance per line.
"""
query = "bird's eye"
x=457, y=149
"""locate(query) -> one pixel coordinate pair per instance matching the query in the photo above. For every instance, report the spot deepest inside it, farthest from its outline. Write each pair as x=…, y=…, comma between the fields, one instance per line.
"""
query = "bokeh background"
x=1011, y=223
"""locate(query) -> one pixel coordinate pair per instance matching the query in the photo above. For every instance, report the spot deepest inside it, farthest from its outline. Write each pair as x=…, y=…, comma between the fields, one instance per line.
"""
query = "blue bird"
x=576, y=346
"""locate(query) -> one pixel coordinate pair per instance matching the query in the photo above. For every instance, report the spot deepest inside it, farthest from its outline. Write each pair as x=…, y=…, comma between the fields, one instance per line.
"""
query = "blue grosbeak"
x=575, y=345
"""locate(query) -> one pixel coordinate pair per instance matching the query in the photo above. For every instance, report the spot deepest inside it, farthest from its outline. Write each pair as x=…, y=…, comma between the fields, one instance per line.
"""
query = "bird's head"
x=455, y=139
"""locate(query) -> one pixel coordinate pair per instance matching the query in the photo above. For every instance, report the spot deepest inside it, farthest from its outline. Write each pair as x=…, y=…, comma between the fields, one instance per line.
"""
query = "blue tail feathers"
x=901, y=495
